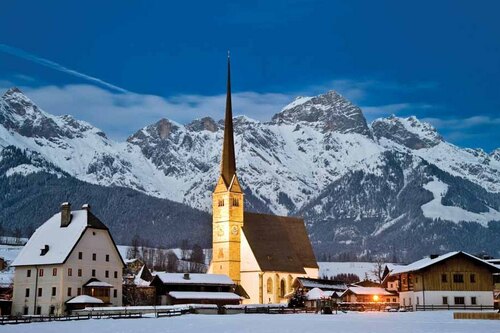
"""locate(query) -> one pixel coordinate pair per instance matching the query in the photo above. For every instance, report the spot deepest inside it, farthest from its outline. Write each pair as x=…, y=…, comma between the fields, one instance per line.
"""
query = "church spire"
x=228, y=162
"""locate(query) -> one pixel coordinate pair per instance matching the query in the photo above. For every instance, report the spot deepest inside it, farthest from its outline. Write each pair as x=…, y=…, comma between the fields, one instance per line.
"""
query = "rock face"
x=408, y=132
x=394, y=187
x=330, y=112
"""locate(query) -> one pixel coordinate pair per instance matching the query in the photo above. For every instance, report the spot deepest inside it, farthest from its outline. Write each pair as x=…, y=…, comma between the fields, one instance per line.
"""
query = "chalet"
x=137, y=289
x=70, y=255
x=194, y=288
x=451, y=280
x=369, y=295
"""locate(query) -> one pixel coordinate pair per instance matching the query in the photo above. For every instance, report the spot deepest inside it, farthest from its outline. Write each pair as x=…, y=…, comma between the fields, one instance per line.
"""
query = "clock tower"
x=227, y=203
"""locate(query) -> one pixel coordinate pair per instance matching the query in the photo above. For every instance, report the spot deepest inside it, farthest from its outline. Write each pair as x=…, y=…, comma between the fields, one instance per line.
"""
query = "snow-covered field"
x=411, y=322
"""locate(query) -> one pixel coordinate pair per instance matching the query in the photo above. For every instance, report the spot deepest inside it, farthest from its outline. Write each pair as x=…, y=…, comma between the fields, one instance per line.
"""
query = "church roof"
x=279, y=243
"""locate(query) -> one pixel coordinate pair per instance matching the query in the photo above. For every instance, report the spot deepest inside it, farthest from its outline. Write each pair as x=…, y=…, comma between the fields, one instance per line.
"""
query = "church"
x=263, y=254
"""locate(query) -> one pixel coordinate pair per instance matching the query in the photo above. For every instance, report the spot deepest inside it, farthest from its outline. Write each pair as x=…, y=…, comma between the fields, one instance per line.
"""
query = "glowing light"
x=375, y=298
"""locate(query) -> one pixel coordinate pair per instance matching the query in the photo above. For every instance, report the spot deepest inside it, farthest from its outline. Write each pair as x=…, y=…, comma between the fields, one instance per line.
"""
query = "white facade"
x=43, y=288
x=444, y=298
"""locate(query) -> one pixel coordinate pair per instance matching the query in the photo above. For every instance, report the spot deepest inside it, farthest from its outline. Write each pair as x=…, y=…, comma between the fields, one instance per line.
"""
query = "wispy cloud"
x=121, y=114
x=55, y=66
x=463, y=123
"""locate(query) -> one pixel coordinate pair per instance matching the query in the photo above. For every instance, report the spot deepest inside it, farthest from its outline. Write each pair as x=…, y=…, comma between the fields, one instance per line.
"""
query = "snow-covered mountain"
x=356, y=184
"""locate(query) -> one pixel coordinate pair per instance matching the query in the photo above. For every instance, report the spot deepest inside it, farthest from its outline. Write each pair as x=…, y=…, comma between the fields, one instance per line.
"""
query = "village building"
x=369, y=295
x=194, y=288
x=451, y=280
x=307, y=284
x=137, y=289
x=70, y=256
x=262, y=253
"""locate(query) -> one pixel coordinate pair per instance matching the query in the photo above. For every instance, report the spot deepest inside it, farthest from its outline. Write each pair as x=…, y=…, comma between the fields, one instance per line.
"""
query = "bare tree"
x=172, y=262
x=378, y=269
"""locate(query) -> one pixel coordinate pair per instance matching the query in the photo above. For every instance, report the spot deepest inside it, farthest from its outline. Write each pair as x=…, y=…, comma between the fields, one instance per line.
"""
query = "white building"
x=71, y=254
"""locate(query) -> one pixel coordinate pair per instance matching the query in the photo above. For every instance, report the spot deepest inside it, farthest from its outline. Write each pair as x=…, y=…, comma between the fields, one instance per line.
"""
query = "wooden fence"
x=454, y=307
x=477, y=315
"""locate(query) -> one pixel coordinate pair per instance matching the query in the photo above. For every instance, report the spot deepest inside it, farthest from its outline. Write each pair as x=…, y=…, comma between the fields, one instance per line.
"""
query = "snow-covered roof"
x=84, y=299
x=322, y=284
x=194, y=278
x=315, y=294
x=58, y=240
x=98, y=284
x=213, y=295
x=369, y=291
x=428, y=261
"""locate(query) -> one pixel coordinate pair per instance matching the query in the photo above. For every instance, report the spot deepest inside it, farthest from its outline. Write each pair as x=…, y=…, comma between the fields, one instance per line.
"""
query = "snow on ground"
x=361, y=269
x=435, y=209
x=353, y=322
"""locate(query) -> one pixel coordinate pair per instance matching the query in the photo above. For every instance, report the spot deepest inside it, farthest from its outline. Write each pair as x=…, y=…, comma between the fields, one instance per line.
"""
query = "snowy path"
x=373, y=322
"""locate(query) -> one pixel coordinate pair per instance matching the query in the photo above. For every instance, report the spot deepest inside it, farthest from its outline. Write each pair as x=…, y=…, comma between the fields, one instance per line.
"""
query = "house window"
x=116, y=275
x=269, y=285
x=70, y=272
x=25, y=311
x=394, y=299
x=39, y=310
x=473, y=300
x=459, y=300
x=458, y=278
x=236, y=202
x=39, y=292
x=40, y=272
x=93, y=272
x=94, y=256
x=28, y=273
x=444, y=278
x=106, y=274
x=52, y=310
x=54, y=271
x=115, y=293
x=388, y=300
x=78, y=291
x=69, y=291
x=107, y=257
x=473, y=278
x=53, y=291
x=80, y=255
x=27, y=292
x=79, y=272
x=445, y=300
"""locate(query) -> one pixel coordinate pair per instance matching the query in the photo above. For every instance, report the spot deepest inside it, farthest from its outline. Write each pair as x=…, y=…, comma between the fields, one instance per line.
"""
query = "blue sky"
x=124, y=64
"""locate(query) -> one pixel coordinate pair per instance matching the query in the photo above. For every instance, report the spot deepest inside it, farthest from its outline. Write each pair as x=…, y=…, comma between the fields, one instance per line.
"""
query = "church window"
x=290, y=283
x=236, y=202
x=282, y=288
x=269, y=285
x=220, y=203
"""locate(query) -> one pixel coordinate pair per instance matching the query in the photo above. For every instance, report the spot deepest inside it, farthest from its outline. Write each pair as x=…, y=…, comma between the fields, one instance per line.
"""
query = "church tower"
x=227, y=203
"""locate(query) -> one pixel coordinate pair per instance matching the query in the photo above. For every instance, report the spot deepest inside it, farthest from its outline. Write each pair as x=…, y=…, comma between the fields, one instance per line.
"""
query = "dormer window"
x=44, y=250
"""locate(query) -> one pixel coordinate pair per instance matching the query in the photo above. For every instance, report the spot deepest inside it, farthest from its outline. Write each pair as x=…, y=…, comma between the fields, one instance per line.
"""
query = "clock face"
x=234, y=230
x=220, y=231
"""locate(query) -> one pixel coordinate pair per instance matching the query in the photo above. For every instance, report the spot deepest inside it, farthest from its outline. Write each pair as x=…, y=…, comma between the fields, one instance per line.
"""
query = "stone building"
x=70, y=256
x=262, y=253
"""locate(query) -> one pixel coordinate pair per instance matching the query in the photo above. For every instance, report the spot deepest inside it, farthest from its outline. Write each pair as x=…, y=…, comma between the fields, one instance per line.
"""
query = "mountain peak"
x=203, y=124
x=330, y=111
x=410, y=132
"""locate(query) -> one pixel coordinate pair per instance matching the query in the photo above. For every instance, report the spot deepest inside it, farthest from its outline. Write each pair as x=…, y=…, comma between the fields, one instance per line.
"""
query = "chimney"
x=86, y=207
x=434, y=256
x=186, y=276
x=44, y=250
x=65, y=214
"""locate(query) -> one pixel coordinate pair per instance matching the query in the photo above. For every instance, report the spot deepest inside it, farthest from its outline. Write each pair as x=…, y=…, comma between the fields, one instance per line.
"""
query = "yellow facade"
x=227, y=221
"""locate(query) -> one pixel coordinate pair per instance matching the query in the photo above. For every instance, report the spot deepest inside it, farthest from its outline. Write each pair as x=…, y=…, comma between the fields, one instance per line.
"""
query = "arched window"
x=220, y=203
x=269, y=286
x=282, y=288
x=236, y=202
